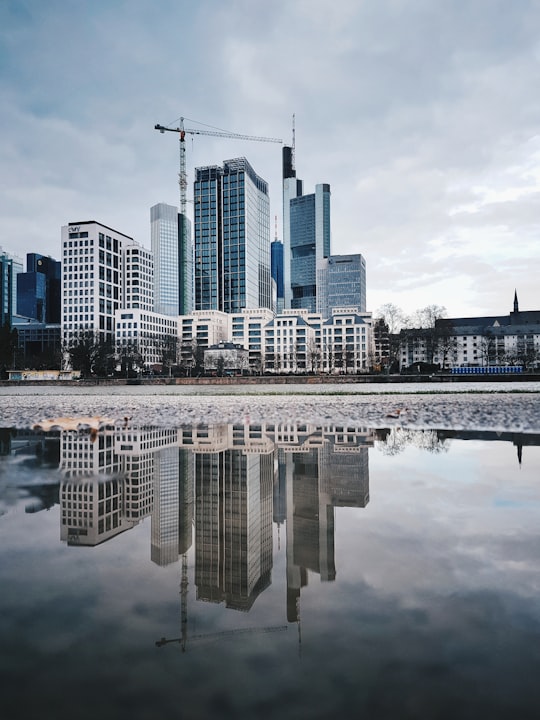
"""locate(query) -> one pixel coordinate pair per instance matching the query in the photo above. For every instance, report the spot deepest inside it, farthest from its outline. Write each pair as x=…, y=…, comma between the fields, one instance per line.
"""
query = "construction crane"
x=183, y=131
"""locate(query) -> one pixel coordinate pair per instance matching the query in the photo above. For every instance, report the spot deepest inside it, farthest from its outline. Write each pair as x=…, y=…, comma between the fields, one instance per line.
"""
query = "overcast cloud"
x=421, y=114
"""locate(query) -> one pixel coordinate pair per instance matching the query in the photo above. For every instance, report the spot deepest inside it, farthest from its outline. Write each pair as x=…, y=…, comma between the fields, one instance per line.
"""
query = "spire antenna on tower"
x=293, y=146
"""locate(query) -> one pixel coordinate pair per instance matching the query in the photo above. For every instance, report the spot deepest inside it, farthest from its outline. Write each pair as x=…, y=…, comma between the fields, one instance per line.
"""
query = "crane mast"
x=182, y=131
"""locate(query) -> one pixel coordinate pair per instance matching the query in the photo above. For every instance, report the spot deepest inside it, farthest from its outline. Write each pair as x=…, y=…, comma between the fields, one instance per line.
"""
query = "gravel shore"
x=505, y=408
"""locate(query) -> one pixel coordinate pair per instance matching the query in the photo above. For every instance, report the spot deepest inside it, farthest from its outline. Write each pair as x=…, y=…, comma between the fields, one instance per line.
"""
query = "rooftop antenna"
x=275, y=226
x=293, y=140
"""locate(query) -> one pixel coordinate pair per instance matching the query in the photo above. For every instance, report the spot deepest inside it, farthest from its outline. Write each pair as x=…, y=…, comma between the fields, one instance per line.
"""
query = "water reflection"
x=221, y=488
x=418, y=602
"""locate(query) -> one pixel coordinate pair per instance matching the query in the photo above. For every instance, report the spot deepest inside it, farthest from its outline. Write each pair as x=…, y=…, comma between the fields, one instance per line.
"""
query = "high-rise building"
x=309, y=242
x=164, y=243
x=185, y=266
x=38, y=289
x=10, y=267
x=173, y=260
x=232, y=238
x=92, y=273
x=292, y=188
x=276, y=264
x=341, y=283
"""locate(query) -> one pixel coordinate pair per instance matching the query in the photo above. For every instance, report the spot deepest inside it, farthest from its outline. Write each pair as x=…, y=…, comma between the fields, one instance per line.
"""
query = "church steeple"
x=516, y=304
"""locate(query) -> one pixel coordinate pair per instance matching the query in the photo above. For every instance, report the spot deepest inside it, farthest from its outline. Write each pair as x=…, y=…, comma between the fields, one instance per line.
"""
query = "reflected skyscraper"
x=166, y=514
x=229, y=482
x=233, y=526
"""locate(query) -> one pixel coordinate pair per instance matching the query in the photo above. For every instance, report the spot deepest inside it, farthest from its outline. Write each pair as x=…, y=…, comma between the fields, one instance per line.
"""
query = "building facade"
x=38, y=289
x=341, y=282
x=165, y=244
x=145, y=340
x=475, y=342
x=138, y=278
x=277, y=267
x=292, y=188
x=92, y=278
x=231, y=238
x=10, y=267
x=309, y=243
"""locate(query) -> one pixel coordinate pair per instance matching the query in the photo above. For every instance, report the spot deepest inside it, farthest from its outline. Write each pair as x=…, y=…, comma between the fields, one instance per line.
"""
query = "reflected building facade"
x=221, y=487
x=233, y=520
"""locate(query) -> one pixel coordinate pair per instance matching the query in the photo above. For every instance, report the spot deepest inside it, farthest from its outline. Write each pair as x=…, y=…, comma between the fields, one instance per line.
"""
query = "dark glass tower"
x=277, y=272
x=232, y=238
x=309, y=243
x=38, y=289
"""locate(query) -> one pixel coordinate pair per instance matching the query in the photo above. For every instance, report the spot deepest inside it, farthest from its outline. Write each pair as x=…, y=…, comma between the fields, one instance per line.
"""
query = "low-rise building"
x=476, y=342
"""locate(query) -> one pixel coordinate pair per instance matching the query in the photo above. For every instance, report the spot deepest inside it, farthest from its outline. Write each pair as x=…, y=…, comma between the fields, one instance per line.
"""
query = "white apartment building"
x=92, y=278
x=200, y=330
x=247, y=329
x=138, y=277
x=149, y=338
x=290, y=343
x=346, y=342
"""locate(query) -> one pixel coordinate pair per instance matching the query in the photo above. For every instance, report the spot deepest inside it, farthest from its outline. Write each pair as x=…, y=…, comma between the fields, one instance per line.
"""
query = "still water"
x=238, y=571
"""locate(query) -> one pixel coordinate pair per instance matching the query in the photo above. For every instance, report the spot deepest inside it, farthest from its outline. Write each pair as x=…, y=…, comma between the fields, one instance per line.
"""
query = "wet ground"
x=487, y=406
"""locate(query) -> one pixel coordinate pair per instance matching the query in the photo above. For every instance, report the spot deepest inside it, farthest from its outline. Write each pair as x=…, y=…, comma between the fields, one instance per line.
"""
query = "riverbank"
x=499, y=407
x=271, y=380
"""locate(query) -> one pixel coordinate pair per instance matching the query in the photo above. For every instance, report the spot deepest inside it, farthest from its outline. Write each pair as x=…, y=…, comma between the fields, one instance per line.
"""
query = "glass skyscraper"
x=309, y=243
x=277, y=273
x=10, y=267
x=232, y=238
x=173, y=260
x=38, y=289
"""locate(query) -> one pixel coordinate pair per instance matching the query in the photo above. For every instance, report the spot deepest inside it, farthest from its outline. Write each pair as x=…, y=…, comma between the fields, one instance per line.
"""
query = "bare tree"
x=393, y=316
x=313, y=356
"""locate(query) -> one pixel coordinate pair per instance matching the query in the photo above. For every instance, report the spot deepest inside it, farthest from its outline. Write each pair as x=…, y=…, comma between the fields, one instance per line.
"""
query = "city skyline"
x=422, y=120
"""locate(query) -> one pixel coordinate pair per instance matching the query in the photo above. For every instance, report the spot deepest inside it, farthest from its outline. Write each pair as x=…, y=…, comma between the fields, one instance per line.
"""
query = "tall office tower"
x=185, y=266
x=233, y=528
x=232, y=238
x=309, y=242
x=292, y=188
x=164, y=243
x=138, y=278
x=276, y=265
x=341, y=283
x=92, y=269
x=38, y=289
x=173, y=260
x=10, y=267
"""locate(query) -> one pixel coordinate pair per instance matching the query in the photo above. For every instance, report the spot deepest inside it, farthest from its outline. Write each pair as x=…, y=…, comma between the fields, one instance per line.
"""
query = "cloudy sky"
x=423, y=116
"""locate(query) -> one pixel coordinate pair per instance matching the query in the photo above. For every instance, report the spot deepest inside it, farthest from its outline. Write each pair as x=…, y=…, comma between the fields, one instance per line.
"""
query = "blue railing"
x=492, y=370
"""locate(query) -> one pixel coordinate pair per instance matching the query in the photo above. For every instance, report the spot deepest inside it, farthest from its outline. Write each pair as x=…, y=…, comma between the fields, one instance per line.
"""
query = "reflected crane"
x=183, y=131
x=221, y=634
